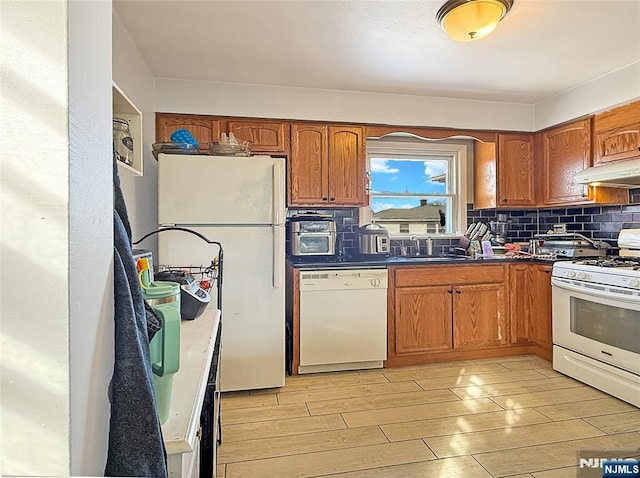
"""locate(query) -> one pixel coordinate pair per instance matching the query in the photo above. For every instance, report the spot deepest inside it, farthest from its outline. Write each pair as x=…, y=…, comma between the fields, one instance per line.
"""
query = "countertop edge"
x=197, y=343
x=383, y=264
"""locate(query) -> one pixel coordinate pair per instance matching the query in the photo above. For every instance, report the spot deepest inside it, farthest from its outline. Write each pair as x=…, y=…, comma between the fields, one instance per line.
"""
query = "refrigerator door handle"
x=278, y=193
x=278, y=250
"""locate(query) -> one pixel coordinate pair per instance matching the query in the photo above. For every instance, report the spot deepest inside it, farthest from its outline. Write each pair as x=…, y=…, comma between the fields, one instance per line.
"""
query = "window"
x=418, y=187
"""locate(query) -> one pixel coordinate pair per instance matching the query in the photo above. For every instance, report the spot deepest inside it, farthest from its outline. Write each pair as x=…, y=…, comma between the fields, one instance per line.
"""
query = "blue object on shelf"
x=183, y=136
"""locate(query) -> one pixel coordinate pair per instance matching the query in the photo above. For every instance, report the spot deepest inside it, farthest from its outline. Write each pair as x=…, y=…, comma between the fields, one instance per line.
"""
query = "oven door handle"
x=610, y=293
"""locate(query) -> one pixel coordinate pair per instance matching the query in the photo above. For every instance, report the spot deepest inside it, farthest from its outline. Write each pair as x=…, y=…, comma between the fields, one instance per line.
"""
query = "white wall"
x=90, y=232
x=212, y=98
x=132, y=75
x=57, y=247
x=618, y=87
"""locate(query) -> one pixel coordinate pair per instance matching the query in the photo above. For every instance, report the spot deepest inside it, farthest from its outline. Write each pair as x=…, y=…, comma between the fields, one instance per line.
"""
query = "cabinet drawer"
x=446, y=275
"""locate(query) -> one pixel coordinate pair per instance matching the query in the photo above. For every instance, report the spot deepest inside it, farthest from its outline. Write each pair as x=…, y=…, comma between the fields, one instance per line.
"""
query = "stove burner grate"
x=614, y=261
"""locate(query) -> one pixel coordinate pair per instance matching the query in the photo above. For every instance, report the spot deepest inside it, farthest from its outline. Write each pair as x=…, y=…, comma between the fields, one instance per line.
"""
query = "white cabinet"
x=124, y=108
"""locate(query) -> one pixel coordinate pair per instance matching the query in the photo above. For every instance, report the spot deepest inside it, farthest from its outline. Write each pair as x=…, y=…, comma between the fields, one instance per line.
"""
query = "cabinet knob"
x=505, y=200
x=332, y=199
x=638, y=148
x=325, y=198
x=450, y=291
x=458, y=292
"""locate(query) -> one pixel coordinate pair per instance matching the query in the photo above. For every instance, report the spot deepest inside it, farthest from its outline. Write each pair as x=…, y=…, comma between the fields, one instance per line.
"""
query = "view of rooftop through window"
x=411, y=195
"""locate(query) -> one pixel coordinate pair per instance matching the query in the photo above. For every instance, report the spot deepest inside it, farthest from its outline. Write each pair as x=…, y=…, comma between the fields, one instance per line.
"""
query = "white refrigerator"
x=239, y=202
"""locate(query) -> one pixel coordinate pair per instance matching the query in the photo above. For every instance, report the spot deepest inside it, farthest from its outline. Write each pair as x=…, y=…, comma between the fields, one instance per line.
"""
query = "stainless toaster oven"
x=312, y=236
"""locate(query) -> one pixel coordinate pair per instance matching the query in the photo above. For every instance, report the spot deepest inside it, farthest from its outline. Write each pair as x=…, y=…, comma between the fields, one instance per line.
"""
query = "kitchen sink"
x=426, y=259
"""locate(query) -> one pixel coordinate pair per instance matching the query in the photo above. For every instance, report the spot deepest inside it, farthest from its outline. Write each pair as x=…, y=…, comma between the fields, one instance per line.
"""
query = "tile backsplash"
x=594, y=222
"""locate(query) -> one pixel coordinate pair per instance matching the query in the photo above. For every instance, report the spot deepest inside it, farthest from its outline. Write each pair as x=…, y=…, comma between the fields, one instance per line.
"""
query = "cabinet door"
x=541, y=306
x=422, y=319
x=346, y=166
x=515, y=170
x=479, y=316
x=520, y=303
x=617, y=134
x=567, y=150
x=308, y=168
x=264, y=137
x=484, y=175
x=203, y=128
x=618, y=143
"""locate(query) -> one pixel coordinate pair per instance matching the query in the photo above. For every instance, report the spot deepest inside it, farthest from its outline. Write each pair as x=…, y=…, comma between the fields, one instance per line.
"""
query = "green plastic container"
x=164, y=349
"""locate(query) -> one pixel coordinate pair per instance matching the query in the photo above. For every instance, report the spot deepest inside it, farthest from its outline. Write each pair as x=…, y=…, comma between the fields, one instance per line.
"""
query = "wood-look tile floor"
x=511, y=416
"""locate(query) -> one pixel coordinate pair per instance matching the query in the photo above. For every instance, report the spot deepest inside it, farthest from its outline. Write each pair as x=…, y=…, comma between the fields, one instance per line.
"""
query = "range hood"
x=620, y=174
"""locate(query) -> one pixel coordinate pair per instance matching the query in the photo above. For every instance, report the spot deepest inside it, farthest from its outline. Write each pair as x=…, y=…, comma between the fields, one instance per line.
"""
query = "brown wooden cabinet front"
x=203, y=128
x=326, y=166
x=541, y=333
x=269, y=137
x=515, y=170
x=446, y=309
x=521, y=301
x=504, y=172
x=566, y=151
x=308, y=165
x=479, y=316
x=423, y=319
x=346, y=166
x=617, y=134
x=263, y=136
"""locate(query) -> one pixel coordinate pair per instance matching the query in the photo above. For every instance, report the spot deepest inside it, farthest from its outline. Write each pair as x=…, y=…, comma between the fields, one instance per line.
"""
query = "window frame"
x=454, y=152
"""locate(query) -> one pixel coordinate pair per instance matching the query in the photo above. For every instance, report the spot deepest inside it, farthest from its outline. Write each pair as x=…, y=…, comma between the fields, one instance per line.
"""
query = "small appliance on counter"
x=193, y=298
x=311, y=236
x=629, y=243
x=570, y=245
x=373, y=241
x=499, y=230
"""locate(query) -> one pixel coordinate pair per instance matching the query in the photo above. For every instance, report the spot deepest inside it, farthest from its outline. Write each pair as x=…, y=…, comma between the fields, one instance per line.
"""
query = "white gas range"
x=596, y=320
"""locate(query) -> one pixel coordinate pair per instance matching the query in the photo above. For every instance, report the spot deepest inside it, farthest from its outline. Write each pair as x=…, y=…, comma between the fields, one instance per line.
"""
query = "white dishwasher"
x=343, y=319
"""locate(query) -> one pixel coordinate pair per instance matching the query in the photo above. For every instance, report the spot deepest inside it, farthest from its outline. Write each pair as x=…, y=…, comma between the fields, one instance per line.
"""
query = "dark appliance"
x=193, y=298
x=311, y=235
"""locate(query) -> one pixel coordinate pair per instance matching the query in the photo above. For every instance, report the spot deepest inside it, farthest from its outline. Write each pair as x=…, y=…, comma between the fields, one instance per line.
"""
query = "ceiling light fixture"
x=469, y=20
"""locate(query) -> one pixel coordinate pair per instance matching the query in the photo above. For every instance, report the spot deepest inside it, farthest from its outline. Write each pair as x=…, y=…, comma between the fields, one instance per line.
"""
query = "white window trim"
x=459, y=154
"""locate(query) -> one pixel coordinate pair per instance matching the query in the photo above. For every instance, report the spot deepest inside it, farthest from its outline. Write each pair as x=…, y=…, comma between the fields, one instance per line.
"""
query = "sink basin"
x=427, y=259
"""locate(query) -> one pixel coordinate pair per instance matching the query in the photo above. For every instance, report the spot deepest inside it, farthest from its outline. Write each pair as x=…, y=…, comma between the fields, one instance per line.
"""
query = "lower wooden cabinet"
x=423, y=319
x=530, y=305
x=541, y=333
x=479, y=316
x=445, y=309
x=521, y=300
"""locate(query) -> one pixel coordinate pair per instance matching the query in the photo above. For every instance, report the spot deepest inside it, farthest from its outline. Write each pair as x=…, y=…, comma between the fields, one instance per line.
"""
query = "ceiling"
x=540, y=49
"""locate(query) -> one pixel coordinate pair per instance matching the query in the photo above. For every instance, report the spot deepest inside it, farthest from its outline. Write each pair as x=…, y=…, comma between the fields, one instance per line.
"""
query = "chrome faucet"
x=414, y=238
x=429, y=243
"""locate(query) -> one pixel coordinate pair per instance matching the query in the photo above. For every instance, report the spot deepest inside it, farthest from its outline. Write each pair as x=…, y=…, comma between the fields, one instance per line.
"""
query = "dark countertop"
x=382, y=263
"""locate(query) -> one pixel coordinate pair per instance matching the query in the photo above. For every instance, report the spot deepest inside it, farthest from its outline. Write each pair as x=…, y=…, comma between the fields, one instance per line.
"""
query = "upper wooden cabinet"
x=203, y=128
x=504, y=172
x=566, y=151
x=617, y=134
x=326, y=165
x=264, y=136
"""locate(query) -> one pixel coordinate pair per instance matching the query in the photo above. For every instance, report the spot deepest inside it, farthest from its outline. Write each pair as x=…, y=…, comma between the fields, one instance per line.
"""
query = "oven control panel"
x=626, y=277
